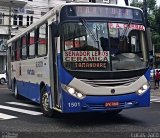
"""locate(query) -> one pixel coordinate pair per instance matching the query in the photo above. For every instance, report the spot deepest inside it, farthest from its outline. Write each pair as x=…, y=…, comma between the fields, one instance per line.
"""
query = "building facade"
x=3, y=36
x=17, y=15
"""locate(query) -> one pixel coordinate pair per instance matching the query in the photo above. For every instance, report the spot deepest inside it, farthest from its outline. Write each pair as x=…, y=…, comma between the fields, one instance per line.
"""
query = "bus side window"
x=24, y=47
x=31, y=44
x=42, y=40
x=13, y=51
x=18, y=45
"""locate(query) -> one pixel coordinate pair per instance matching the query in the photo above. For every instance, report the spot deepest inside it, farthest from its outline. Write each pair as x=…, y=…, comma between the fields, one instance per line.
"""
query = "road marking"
x=22, y=104
x=6, y=117
x=158, y=101
x=155, y=100
x=20, y=110
x=3, y=88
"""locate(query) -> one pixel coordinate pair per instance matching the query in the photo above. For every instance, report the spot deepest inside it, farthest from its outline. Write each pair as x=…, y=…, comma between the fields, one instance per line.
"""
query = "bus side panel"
x=29, y=74
x=29, y=90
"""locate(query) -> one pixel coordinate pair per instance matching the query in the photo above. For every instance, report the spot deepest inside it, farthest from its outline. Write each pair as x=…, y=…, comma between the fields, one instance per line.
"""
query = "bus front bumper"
x=72, y=104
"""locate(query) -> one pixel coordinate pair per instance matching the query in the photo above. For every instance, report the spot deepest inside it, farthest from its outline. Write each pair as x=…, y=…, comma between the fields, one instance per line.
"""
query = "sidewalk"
x=154, y=92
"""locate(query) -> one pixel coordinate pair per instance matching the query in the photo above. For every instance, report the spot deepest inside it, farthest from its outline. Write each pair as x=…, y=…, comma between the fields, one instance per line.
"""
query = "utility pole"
x=9, y=25
x=148, y=32
x=145, y=12
x=133, y=2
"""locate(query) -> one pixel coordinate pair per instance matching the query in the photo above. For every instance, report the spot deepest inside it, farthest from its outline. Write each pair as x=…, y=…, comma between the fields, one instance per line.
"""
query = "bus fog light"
x=140, y=91
x=79, y=95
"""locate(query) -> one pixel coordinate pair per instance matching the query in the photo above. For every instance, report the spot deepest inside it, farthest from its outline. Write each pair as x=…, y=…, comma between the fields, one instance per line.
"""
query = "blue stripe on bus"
x=89, y=103
x=64, y=76
x=30, y=90
x=147, y=74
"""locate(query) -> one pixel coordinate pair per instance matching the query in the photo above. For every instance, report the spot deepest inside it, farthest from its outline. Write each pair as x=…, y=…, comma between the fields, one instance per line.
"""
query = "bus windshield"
x=103, y=46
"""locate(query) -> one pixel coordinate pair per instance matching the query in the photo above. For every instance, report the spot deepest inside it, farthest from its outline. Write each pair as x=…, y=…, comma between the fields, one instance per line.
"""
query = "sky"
x=158, y=2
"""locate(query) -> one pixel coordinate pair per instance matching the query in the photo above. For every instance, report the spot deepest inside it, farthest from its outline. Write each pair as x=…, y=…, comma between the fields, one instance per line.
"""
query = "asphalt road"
x=23, y=118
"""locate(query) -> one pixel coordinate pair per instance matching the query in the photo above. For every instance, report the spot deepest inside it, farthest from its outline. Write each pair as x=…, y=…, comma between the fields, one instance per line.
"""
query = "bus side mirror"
x=55, y=29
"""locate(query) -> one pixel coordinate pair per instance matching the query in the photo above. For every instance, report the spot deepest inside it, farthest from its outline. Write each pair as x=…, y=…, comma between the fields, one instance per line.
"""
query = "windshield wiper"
x=91, y=33
x=122, y=37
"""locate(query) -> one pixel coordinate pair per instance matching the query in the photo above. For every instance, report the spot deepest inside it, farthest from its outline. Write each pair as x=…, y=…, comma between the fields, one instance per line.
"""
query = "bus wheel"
x=2, y=81
x=44, y=103
x=114, y=112
x=16, y=91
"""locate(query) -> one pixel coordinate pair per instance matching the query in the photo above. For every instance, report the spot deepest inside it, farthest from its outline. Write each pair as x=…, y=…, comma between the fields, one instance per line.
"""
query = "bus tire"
x=16, y=94
x=2, y=81
x=44, y=103
x=114, y=112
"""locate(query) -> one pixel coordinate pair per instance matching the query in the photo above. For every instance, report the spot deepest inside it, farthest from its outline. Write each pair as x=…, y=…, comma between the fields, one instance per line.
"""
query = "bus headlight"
x=143, y=89
x=73, y=91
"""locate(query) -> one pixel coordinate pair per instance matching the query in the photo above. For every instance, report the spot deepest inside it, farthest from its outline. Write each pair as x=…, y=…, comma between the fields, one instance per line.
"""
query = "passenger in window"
x=104, y=43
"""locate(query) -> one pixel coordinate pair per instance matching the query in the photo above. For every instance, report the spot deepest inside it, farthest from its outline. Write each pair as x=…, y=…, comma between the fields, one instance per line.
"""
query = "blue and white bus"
x=82, y=57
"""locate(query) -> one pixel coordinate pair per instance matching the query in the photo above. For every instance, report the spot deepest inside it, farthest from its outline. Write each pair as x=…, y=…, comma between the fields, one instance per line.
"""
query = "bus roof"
x=52, y=12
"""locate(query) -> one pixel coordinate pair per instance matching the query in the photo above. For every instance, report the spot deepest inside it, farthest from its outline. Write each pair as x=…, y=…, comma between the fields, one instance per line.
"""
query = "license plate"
x=111, y=104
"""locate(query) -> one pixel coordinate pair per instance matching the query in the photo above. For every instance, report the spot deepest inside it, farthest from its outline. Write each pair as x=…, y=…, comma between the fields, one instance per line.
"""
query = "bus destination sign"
x=86, y=59
x=104, y=11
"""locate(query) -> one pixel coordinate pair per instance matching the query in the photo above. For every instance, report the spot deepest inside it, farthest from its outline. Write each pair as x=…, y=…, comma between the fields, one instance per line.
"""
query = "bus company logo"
x=39, y=64
x=31, y=72
x=113, y=91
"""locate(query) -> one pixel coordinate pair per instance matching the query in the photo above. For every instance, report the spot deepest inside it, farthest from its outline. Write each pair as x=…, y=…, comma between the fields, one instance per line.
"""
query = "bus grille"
x=110, y=83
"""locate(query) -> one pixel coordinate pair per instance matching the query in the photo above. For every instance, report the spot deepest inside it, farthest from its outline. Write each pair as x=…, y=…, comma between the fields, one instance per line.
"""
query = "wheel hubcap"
x=2, y=81
x=45, y=101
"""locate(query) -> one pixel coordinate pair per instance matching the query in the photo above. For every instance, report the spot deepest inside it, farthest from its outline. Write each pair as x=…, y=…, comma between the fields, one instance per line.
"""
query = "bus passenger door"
x=8, y=68
x=53, y=68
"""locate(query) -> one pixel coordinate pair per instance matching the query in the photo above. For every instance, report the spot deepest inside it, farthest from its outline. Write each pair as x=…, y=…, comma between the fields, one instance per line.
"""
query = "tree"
x=150, y=4
x=157, y=19
x=153, y=18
